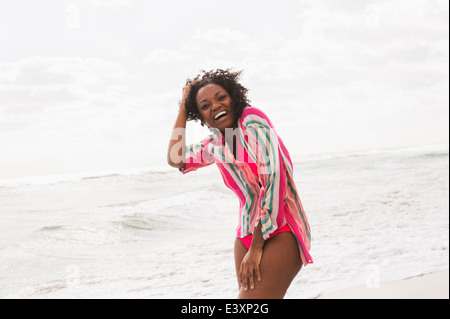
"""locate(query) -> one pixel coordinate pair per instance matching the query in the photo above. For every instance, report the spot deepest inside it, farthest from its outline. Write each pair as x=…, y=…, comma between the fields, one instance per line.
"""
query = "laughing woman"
x=273, y=235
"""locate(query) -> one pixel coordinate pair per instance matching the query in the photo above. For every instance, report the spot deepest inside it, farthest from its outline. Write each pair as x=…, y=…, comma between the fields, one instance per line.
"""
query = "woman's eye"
x=223, y=97
x=204, y=107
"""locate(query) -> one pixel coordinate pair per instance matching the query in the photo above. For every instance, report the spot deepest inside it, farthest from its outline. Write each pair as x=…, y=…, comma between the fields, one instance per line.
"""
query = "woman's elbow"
x=175, y=165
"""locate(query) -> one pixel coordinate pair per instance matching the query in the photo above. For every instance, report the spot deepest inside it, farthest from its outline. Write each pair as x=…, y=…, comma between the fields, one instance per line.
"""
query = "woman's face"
x=214, y=105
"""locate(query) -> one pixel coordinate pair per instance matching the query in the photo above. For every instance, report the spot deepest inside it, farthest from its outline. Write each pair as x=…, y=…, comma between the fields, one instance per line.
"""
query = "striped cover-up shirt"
x=261, y=176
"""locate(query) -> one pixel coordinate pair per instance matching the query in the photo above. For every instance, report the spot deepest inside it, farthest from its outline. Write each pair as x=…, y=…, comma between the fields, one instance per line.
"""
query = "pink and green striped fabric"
x=261, y=176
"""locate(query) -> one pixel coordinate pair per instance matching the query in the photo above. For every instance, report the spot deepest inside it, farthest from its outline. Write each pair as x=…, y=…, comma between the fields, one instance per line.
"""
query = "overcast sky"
x=92, y=85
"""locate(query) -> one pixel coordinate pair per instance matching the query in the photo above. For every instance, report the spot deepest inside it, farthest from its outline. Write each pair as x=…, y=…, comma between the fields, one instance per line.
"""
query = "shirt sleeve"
x=197, y=156
x=263, y=142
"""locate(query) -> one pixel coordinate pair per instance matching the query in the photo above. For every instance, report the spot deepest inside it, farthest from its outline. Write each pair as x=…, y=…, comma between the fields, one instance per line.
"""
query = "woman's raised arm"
x=177, y=142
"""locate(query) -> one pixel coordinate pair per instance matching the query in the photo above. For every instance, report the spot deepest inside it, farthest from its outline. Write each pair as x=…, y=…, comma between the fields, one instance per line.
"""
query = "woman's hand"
x=252, y=260
x=177, y=142
x=250, y=264
x=185, y=93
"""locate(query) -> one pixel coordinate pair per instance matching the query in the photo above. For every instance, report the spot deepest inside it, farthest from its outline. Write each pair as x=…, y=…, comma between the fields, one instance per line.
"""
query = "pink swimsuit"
x=247, y=240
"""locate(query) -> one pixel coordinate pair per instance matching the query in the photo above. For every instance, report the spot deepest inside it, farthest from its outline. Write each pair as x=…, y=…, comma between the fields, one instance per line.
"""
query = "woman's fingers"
x=186, y=90
x=258, y=273
x=188, y=87
x=249, y=269
x=247, y=274
x=251, y=281
x=243, y=275
x=252, y=274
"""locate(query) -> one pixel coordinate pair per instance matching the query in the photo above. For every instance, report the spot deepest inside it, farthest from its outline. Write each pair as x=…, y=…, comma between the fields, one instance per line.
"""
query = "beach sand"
x=429, y=286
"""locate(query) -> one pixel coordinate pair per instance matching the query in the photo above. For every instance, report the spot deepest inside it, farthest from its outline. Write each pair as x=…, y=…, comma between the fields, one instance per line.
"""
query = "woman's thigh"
x=280, y=264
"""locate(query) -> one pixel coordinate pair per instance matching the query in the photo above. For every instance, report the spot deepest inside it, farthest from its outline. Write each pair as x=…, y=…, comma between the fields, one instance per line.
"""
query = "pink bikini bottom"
x=247, y=240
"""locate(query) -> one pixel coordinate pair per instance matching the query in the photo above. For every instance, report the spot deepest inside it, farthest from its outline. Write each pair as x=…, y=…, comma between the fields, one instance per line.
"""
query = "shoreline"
x=428, y=286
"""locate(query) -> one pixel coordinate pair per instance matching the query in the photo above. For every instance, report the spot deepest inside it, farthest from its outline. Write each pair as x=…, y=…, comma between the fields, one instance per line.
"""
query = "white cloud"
x=114, y=3
x=164, y=56
x=59, y=81
x=219, y=36
x=63, y=111
x=41, y=71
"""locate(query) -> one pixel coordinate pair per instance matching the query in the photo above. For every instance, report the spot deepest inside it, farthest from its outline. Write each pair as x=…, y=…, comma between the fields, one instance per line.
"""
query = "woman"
x=273, y=235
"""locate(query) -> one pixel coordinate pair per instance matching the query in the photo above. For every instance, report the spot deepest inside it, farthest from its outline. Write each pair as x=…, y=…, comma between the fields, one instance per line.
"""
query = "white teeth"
x=220, y=114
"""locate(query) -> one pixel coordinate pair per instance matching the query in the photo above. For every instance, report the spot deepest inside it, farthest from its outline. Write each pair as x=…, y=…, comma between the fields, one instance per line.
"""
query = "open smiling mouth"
x=220, y=116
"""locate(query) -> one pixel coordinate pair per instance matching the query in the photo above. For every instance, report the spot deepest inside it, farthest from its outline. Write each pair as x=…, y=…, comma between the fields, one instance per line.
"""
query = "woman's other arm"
x=177, y=142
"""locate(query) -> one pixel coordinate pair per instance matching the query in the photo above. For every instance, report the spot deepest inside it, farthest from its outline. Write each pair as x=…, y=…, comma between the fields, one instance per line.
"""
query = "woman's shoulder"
x=252, y=115
x=251, y=110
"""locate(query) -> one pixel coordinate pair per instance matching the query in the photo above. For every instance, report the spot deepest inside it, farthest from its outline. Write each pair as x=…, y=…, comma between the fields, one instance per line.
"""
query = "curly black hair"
x=225, y=78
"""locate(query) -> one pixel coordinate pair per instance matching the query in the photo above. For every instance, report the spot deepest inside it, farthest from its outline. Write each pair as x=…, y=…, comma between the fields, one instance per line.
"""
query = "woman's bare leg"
x=280, y=264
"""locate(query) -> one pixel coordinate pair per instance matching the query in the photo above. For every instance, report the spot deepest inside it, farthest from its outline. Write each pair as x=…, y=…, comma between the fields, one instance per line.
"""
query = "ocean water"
x=153, y=233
